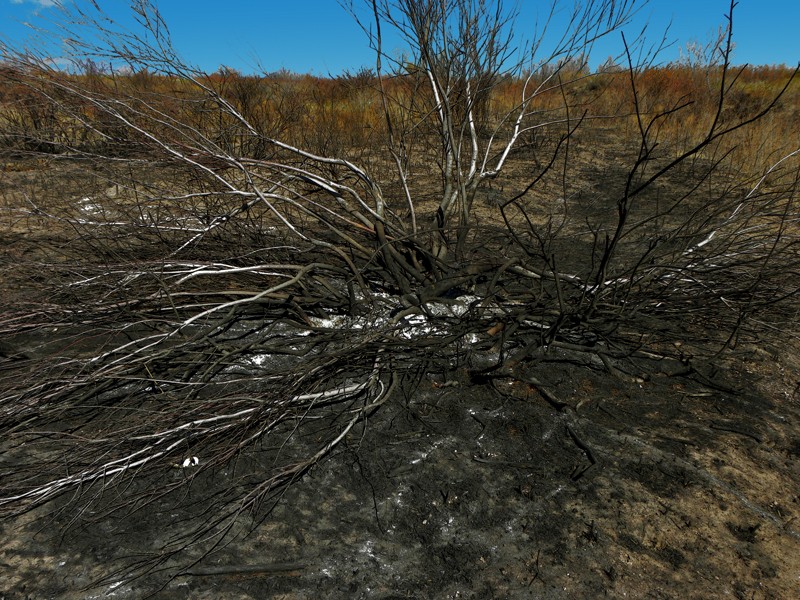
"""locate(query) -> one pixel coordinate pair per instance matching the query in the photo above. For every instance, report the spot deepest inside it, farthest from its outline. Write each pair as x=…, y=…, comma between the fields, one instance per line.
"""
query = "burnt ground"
x=671, y=487
x=666, y=486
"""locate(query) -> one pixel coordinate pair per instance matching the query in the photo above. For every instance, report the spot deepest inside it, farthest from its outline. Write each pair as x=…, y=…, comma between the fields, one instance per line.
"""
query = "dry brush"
x=234, y=297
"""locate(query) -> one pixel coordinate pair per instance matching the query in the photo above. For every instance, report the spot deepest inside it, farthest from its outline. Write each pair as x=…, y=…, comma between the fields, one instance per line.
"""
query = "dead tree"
x=208, y=303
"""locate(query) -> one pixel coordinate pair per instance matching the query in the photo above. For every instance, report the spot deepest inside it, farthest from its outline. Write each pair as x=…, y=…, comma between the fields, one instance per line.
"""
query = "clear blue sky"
x=318, y=36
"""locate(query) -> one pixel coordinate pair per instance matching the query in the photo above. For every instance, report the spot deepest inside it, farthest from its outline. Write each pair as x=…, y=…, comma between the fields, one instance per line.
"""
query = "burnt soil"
x=670, y=487
x=664, y=486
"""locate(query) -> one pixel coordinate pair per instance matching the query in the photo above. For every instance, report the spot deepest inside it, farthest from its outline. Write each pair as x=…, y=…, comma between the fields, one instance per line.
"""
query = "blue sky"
x=318, y=36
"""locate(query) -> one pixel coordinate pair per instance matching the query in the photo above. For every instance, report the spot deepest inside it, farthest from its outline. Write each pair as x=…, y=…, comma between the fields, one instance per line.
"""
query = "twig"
x=586, y=449
x=246, y=569
x=730, y=429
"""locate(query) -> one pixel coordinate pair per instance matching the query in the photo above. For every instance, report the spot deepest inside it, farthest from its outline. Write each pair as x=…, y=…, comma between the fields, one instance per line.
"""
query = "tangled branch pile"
x=222, y=294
